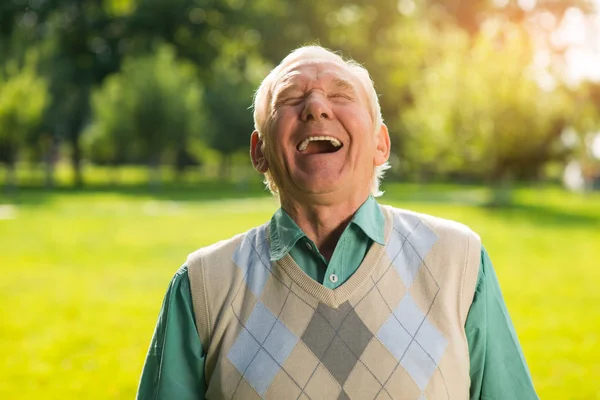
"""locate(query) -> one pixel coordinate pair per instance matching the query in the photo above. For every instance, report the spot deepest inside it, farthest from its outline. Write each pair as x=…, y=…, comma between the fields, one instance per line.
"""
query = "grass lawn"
x=84, y=273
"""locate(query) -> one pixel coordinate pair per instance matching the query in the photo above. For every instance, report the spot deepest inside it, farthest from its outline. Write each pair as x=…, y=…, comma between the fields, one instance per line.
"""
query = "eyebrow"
x=285, y=90
x=343, y=84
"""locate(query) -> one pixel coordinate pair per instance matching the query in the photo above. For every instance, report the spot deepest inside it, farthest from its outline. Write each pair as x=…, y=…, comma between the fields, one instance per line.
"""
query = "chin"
x=320, y=185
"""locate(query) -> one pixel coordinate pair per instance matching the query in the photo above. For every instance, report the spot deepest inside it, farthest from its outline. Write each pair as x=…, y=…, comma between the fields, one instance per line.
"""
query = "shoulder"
x=179, y=282
x=451, y=250
x=180, y=276
x=227, y=250
x=218, y=249
x=408, y=221
x=216, y=272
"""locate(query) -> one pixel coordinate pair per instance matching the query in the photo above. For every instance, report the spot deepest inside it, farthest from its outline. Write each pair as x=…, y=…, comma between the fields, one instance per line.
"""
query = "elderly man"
x=337, y=296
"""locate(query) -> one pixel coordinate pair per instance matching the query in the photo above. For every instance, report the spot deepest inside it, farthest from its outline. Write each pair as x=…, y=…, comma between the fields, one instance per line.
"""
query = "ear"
x=382, y=153
x=257, y=153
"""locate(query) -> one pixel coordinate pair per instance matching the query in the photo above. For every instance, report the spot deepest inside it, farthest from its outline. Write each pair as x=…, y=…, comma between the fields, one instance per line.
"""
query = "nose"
x=316, y=108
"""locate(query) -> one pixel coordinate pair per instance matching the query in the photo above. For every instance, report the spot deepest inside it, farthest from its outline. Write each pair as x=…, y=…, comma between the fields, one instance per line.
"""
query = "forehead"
x=316, y=72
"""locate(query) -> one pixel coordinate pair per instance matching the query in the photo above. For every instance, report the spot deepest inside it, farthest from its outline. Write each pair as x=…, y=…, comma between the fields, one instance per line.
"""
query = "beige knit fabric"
x=393, y=330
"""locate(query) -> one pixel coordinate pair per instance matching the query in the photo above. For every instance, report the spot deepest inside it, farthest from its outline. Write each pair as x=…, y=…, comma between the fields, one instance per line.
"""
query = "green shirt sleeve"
x=498, y=367
x=174, y=367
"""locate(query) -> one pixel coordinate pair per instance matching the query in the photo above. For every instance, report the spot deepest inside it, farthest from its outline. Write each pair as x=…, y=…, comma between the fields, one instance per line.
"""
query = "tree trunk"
x=115, y=175
x=11, y=177
x=502, y=192
x=154, y=173
x=49, y=174
x=76, y=161
x=49, y=163
x=181, y=162
x=75, y=124
x=225, y=167
x=10, y=159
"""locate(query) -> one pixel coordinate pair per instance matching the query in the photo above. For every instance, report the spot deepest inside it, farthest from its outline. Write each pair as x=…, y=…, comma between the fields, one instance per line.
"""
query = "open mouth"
x=319, y=145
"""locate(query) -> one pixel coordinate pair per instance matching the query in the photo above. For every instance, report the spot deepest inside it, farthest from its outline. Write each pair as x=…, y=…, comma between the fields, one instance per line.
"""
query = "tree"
x=148, y=111
x=479, y=113
x=584, y=135
x=84, y=38
x=23, y=98
x=228, y=103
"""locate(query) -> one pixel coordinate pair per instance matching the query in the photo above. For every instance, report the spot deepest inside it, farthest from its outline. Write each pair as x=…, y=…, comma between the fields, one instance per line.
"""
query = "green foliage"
x=478, y=111
x=407, y=46
x=228, y=100
x=23, y=99
x=148, y=111
x=585, y=126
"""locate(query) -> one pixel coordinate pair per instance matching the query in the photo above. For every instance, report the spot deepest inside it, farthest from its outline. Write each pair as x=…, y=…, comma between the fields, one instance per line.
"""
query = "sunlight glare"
x=527, y=5
x=579, y=35
x=595, y=147
x=406, y=7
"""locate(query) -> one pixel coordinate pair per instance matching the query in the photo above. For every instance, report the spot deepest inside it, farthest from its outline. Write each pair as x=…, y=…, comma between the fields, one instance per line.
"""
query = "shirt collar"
x=370, y=219
x=284, y=233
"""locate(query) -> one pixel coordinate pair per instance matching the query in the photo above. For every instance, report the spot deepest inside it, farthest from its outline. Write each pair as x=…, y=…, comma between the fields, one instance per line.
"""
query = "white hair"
x=263, y=100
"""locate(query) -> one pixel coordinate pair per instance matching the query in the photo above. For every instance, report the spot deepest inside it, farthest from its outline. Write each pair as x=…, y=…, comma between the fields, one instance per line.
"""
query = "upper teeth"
x=305, y=142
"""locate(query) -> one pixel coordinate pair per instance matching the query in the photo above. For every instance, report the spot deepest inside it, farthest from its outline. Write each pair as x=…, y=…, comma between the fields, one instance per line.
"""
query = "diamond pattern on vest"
x=346, y=347
x=253, y=258
x=407, y=333
x=338, y=338
x=261, y=348
x=408, y=245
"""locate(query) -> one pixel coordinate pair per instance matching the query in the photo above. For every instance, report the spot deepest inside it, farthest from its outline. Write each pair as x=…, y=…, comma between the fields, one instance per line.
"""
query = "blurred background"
x=124, y=132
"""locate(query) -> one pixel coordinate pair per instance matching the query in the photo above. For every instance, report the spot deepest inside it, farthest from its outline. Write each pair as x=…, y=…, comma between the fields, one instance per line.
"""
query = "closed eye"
x=340, y=96
x=289, y=101
x=292, y=101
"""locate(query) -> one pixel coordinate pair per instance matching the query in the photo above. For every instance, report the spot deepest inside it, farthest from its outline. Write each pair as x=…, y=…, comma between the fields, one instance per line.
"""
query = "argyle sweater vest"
x=393, y=330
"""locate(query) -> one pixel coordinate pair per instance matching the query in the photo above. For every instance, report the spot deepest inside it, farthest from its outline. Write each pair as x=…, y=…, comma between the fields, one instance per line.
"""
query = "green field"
x=84, y=273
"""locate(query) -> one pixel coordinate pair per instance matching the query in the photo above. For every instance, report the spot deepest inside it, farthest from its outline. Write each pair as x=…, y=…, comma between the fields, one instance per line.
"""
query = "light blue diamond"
x=280, y=342
x=252, y=257
x=419, y=365
x=262, y=246
x=257, y=276
x=243, y=351
x=409, y=314
x=405, y=223
x=422, y=239
x=394, y=337
x=431, y=340
x=260, y=322
x=243, y=253
x=407, y=264
x=261, y=372
x=394, y=245
x=408, y=245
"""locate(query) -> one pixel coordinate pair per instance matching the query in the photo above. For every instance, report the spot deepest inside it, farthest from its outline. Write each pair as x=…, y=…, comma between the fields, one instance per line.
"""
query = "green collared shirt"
x=365, y=228
x=174, y=367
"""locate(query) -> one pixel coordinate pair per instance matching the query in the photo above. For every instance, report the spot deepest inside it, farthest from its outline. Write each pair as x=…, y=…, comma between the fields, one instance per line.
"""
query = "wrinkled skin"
x=320, y=98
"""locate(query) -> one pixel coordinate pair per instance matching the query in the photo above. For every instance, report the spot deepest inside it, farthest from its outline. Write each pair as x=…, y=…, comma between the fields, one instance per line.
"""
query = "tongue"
x=319, y=147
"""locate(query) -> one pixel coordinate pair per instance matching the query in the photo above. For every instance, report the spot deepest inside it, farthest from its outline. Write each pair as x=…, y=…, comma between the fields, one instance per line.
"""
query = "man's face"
x=321, y=138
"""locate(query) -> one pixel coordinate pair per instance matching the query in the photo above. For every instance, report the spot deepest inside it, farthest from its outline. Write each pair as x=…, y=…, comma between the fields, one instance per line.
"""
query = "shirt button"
x=308, y=246
x=333, y=278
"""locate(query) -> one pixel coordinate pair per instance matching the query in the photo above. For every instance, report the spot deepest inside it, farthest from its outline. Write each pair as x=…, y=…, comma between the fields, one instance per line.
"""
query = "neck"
x=322, y=222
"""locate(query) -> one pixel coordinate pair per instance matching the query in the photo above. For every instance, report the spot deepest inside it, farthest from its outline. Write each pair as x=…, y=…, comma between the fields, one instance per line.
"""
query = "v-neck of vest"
x=335, y=297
